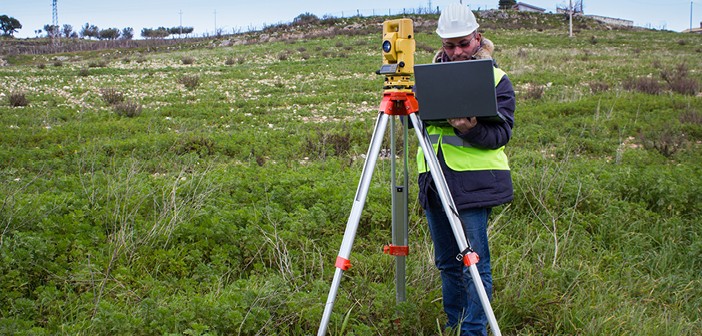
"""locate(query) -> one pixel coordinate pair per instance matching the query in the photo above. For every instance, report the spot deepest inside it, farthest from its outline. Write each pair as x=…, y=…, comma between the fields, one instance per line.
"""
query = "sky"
x=227, y=16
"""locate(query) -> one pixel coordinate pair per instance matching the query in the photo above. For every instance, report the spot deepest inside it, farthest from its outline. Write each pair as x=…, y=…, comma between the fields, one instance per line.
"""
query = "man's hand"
x=463, y=125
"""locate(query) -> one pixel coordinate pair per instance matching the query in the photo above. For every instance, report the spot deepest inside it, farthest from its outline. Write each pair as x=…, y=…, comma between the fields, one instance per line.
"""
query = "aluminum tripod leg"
x=452, y=214
x=354, y=218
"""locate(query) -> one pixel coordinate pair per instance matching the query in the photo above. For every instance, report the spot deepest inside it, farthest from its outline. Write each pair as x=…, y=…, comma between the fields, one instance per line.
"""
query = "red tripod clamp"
x=396, y=250
x=470, y=259
x=399, y=103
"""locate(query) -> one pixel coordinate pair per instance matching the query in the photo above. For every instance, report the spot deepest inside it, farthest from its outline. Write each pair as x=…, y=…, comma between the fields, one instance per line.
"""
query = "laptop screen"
x=455, y=90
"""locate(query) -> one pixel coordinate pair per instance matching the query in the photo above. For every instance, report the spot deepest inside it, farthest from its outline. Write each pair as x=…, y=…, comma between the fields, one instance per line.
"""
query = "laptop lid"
x=455, y=90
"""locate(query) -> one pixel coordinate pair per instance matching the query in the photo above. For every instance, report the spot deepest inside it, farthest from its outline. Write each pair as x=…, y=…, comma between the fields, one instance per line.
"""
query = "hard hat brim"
x=455, y=34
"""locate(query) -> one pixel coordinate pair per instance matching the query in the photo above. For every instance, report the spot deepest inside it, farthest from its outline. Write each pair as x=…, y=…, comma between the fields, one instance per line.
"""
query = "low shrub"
x=534, y=91
x=678, y=80
x=667, y=141
x=127, y=109
x=97, y=64
x=187, y=60
x=18, y=99
x=111, y=96
x=190, y=81
x=643, y=84
x=598, y=87
x=58, y=63
x=200, y=145
x=691, y=117
x=83, y=72
x=230, y=61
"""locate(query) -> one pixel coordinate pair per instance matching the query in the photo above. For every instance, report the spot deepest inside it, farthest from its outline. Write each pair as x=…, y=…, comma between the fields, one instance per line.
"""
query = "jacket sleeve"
x=493, y=135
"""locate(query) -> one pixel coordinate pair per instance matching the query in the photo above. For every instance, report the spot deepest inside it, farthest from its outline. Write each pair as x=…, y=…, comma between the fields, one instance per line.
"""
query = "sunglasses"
x=463, y=44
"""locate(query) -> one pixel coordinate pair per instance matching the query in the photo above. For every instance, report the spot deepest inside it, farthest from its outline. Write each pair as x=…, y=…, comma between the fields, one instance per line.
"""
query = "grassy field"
x=203, y=188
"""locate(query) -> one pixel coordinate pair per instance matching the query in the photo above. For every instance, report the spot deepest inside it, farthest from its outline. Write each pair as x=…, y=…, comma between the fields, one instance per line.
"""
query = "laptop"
x=455, y=90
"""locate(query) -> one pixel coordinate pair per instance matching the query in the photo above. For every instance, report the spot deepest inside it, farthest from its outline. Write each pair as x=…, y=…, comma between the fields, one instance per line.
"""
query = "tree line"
x=10, y=25
x=92, y=31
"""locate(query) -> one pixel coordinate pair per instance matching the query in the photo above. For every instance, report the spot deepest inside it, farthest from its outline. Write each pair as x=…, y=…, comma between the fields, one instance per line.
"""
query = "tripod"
x=400, y=101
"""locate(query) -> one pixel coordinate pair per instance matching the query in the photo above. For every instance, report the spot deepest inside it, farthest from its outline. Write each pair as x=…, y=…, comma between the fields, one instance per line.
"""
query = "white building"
x=524, y=7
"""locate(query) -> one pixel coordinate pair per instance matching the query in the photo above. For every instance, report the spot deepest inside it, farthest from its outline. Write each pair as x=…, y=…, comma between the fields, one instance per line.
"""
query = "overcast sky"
x=239, y=15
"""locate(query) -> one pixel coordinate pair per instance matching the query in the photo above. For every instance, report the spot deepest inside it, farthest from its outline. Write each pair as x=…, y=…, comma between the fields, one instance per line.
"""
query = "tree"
x=52, y=30
x=90, y=31
x=180, y=30
x=66, y=30
x=9, y=25
x=159, y=32
x=127, y=33
x=305, y=18
x=506, y=4
x=109, y=34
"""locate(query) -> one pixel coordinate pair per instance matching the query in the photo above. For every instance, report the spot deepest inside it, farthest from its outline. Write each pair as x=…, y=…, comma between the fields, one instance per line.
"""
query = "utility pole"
x=215, y=22
x=55, y=34
x=570, y=19
x=691, y=16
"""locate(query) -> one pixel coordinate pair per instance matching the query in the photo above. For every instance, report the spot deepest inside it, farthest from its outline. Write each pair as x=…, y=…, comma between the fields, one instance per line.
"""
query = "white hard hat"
x=456, y=20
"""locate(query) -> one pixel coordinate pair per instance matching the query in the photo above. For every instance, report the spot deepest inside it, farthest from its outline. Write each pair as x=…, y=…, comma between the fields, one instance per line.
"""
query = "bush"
x=190, y=81
x=534, y=91
x=111, y=96
x=643, y=84
x=230, y=61
x=187, y=60
x=667, y=141
x=598, y=87
x=678, y=80
x=18, y=99
x=83, y=72
x=97, y=64
x=127, y=109
x=305, y=19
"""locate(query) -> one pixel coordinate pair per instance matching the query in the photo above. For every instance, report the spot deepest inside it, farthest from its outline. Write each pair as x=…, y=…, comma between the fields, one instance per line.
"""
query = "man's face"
x=462, y=48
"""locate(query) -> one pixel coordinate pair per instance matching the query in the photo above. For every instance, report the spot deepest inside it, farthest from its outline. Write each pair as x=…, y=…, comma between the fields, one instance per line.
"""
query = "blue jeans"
x=460, y=297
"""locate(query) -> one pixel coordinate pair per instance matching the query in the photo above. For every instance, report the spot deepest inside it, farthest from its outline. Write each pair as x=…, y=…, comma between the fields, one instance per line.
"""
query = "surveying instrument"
x=399, y=100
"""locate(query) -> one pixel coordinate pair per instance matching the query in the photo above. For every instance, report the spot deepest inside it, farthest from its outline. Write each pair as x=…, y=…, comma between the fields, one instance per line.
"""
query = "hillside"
x=202, y=187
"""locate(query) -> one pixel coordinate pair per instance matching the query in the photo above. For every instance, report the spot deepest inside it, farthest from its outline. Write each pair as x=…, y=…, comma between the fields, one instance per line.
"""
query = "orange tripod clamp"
x=400, y=103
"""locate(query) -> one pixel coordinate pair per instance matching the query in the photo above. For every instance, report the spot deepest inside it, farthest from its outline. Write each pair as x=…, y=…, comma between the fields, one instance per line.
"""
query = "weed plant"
x=18, y=99
x=189, y=81
x=128, y=108
x=219, y=211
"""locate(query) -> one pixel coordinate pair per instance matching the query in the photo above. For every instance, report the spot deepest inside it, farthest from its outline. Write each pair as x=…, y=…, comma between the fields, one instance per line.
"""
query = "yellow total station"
x=398, y=53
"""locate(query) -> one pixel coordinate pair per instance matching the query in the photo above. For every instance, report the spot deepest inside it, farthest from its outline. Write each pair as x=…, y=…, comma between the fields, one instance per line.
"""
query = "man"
x=476, y=170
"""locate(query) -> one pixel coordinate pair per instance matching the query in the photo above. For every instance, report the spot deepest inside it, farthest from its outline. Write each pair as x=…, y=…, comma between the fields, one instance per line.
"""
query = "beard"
x=461, y=57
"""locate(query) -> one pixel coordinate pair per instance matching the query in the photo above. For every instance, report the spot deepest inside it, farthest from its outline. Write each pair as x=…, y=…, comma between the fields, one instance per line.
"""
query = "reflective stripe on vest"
x=459, y=154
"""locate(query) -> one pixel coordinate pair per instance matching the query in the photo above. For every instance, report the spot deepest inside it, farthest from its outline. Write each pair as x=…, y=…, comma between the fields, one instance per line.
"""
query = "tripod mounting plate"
x=399, y=103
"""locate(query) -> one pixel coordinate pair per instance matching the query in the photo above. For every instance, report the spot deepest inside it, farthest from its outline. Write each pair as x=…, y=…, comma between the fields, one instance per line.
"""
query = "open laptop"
x=455, y=90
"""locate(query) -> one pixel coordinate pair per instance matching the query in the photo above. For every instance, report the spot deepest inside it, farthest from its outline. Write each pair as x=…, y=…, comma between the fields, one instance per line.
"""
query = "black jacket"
x=484, y=188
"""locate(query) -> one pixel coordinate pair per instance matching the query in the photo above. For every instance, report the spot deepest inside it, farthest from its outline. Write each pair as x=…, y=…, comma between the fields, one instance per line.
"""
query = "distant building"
x=524, y=7
x=694, y=30
x=612, y=21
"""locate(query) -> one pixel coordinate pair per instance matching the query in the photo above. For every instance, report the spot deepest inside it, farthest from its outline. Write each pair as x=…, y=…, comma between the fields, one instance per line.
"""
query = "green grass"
x=219, y=210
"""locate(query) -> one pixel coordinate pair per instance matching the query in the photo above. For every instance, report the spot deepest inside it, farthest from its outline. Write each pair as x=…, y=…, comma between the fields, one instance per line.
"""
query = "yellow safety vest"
x=460, y=155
